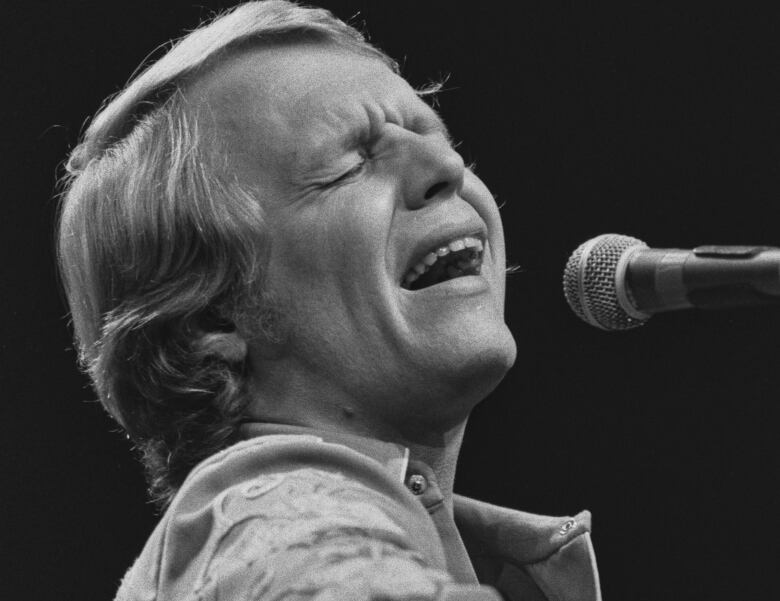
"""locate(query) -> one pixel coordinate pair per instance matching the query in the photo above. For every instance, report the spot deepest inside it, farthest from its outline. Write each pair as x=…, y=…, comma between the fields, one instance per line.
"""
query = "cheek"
x=477, y=193
x=330, y=243
x=355, y=223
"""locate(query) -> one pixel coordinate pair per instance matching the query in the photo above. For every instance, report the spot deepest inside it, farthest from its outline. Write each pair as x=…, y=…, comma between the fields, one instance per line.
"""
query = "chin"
x=486, y=363
x=466, y=370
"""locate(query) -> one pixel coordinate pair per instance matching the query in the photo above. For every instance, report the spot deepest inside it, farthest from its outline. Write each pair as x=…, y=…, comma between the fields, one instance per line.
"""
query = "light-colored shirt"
x=296, y=513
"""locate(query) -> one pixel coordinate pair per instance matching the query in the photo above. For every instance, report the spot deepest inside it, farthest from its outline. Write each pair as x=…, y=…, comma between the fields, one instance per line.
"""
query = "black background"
x=583, y=118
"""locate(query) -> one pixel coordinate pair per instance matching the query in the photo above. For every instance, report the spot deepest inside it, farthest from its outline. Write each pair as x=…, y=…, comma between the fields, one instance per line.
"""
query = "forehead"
x=266, y=98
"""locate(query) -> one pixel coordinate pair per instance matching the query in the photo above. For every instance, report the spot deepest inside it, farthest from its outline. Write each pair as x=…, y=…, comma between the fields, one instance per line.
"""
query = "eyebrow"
x=429, y=121
x=324, y=147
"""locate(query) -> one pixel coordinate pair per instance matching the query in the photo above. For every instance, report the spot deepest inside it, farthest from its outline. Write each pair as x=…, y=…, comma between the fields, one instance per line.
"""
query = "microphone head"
x=593, y=282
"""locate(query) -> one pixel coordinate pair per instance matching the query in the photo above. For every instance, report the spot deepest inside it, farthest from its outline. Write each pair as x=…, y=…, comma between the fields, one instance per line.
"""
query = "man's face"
x=362, y=189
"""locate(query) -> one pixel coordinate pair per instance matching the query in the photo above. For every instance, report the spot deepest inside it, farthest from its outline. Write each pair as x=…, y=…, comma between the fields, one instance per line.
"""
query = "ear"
x=265, y=332
x=228, y=346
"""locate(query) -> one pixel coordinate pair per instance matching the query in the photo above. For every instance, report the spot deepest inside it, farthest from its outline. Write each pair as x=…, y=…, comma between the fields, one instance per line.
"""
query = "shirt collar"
x=496, y=534
x=393, y=457
x=417, y=476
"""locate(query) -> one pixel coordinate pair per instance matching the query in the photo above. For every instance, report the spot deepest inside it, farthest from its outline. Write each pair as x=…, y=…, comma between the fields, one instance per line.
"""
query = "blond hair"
x=160, y=249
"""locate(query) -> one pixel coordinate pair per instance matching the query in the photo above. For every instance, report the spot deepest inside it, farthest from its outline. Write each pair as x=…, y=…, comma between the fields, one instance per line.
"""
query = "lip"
x=440, y=235
x=464, y=286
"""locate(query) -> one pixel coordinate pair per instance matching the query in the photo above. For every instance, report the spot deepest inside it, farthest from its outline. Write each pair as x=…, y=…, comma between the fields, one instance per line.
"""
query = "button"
x=417, y=484
x=568, y=525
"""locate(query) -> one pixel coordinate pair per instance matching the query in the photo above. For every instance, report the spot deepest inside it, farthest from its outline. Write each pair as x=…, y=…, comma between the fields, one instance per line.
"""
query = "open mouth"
x=460, y=257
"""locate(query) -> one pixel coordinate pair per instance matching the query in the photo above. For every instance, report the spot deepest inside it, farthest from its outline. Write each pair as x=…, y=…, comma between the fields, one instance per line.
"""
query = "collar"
x=418, y=477
x=507, y=545
x=393, y=457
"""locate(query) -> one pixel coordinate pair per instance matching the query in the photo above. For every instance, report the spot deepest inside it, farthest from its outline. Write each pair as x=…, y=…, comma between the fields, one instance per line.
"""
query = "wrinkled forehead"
x=302, y=90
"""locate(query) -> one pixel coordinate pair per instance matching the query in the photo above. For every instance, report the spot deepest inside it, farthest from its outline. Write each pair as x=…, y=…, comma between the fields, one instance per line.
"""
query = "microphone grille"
x=590, y=285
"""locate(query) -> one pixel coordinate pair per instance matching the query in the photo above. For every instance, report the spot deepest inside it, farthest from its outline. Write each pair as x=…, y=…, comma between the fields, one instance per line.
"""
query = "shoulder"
x=266, y=511
x=300, y=477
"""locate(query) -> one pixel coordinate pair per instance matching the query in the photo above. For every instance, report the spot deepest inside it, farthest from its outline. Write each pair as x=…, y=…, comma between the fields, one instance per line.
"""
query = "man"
x=280, y=270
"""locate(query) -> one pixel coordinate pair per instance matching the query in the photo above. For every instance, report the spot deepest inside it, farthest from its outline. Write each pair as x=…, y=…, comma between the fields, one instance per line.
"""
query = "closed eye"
x=347, y=175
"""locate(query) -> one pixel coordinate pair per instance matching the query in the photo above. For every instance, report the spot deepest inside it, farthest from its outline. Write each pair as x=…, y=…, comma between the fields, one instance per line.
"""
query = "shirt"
x=297, y=513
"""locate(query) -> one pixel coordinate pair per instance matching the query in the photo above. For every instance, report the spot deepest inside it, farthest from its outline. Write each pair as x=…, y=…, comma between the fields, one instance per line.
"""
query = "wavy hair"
x=161, y=250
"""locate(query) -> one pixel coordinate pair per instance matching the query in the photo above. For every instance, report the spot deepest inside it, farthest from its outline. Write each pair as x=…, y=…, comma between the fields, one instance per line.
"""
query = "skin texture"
x=358, y=181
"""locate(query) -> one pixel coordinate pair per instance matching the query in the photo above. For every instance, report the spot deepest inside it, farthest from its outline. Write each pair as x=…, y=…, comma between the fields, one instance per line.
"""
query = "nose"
x=433, y=170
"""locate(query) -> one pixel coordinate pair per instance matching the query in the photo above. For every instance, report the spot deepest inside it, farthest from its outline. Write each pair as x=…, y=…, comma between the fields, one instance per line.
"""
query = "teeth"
x=428, y=260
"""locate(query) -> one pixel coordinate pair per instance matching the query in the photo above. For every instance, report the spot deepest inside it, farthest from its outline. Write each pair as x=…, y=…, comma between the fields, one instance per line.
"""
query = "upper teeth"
x=428, y=260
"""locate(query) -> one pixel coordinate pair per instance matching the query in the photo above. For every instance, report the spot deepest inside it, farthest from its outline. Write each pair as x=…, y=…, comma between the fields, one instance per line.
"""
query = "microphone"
x=616, y=282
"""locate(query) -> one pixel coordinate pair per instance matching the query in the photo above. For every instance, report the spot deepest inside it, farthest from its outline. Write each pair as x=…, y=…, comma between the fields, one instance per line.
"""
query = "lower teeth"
x=468, y=265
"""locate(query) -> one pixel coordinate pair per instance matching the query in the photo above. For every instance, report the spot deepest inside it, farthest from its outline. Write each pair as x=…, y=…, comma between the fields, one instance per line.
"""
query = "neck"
x=435, y=444
x=440, y=453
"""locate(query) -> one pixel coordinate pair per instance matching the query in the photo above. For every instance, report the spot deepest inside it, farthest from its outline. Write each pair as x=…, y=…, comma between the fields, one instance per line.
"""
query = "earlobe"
x=227, y=346
x=266, y=348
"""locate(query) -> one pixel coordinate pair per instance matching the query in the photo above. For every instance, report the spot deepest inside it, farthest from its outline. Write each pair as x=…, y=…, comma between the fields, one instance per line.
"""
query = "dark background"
x=584, y=118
